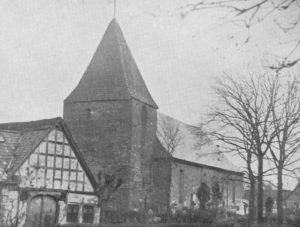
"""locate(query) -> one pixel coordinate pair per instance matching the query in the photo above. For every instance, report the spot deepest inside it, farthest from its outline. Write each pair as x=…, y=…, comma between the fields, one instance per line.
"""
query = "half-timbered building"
x=44, y=177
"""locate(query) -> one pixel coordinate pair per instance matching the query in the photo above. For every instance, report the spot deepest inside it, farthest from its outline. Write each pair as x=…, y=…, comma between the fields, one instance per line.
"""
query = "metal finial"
x=115, y=8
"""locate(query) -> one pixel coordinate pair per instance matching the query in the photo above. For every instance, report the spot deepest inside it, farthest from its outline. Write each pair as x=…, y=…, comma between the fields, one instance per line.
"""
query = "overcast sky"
x=46, y=45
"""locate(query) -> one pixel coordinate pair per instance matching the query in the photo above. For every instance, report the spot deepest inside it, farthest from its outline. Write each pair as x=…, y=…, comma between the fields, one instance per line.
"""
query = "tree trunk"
x=101, y=213
x=251, y=214
x=279, y=196
x=251, y=211
x=260, y=190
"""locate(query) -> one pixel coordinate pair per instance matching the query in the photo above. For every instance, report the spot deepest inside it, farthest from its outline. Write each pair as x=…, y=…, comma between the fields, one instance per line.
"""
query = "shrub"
x=195, y=216
x=294, y=219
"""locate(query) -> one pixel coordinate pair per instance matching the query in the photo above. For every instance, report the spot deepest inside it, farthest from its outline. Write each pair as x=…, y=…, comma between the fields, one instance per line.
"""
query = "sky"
x=46, y=45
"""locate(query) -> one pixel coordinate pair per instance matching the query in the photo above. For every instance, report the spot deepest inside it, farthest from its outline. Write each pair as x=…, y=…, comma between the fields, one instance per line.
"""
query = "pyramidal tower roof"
x=112, y=73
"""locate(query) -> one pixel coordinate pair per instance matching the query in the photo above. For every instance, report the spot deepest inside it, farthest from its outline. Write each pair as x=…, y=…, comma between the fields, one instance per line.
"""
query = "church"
x=51, y=169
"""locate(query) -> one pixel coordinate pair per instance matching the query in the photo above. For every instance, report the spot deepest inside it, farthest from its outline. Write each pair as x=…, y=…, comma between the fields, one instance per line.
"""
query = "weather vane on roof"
x=115, y=8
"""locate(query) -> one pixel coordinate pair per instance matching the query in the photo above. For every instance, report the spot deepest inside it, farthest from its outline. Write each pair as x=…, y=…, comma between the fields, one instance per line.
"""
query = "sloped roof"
x=292, y=192
x=7, y=146
x=21, y=138
x=112, y=73
x=19, y=126
x=192, y=148
x=29, y=140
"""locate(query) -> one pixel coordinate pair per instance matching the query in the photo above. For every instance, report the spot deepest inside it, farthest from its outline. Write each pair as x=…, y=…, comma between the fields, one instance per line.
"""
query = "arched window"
x=203, y=194
x=181, y=187
x=144, y=118
x=216, y=194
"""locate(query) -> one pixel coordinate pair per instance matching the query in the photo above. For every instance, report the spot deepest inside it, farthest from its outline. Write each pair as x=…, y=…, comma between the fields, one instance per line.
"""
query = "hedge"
x=149, y=225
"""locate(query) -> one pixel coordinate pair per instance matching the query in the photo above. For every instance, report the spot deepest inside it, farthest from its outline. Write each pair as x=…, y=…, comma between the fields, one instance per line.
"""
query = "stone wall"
x=161, y=170
x=186, y=179
x=118, y=137
x=143, y=137
x=102, y=130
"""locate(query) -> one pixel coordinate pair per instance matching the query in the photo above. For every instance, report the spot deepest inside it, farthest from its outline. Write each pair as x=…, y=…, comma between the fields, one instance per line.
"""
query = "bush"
x=149, y=225
x=294, y=219
x=195, y=216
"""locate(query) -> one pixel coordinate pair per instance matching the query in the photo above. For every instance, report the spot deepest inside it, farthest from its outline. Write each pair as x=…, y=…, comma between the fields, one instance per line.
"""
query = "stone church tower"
x=112, y=118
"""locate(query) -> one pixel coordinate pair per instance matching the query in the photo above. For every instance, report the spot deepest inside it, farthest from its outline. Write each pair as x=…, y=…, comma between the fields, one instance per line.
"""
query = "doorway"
x=41, y=211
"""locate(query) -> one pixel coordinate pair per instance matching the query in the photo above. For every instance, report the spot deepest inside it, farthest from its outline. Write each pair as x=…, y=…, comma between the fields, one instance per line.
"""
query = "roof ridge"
x=21, y=126
x=177, y=120
x=31, y=121
x=9, y=131
x=122, y=56
x=39, y=128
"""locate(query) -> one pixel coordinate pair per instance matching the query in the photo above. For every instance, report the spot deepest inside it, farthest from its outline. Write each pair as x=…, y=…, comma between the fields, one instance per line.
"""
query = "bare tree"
x=108, y=184
x=243, y=118
x=248, y=13
x=286, y=123
x=170, y=134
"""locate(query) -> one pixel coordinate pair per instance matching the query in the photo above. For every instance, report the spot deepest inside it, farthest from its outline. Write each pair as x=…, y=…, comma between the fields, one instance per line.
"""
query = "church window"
x=88, y=214
x=216, y=192
x=233, y=192
x=181, y=186
x=72, y=213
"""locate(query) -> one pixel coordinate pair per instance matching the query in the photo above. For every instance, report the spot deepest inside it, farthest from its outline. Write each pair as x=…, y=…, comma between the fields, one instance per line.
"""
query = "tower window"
x=89, y=113
x=144, y=118
x=144, y=115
